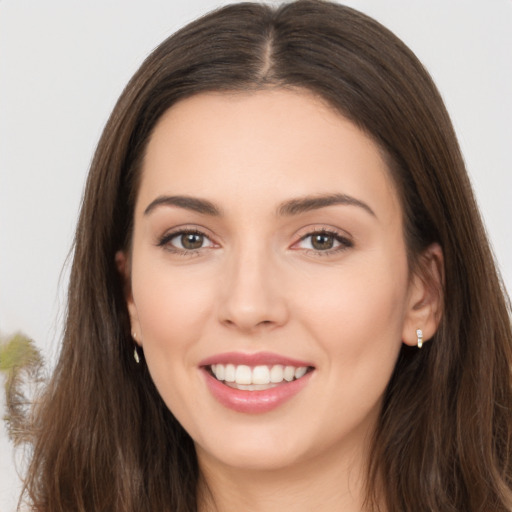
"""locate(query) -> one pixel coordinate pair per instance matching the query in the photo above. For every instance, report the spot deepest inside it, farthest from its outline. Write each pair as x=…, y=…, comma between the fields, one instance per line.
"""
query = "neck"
x=331, y=482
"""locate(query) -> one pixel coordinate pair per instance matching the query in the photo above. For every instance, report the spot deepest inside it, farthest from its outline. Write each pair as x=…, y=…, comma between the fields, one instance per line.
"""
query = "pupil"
x=192, y=241
x=323, y=242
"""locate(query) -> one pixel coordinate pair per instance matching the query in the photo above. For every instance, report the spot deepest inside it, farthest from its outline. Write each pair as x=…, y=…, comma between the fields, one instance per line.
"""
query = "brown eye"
x=191, y=241
x=322, y=241
x=183, y=241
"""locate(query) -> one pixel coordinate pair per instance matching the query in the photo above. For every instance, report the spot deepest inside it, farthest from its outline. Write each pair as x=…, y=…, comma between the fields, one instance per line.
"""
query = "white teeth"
x=219, y=371
x=260, y=375
x=229, y=372
x=243, y=375
x=300, y=372
x=257, y=376
x=276, y=374
x=289, y=373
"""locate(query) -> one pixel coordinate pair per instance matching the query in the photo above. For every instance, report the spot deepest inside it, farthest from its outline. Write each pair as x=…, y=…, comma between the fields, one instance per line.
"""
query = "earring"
x=419, y=333
x=135, y=352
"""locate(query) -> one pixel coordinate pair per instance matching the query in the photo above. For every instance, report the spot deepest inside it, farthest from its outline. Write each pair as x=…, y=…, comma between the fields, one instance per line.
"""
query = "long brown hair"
x=103, y=438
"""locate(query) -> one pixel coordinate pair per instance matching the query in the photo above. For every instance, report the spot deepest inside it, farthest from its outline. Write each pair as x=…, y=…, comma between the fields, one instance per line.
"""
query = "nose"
x=253, y=297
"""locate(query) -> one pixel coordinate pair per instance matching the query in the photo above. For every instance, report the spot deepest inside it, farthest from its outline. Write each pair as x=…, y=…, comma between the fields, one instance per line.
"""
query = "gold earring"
x=419, y=334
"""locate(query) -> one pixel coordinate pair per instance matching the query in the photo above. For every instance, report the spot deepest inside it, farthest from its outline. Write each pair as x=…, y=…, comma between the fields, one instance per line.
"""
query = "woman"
x=282, y=294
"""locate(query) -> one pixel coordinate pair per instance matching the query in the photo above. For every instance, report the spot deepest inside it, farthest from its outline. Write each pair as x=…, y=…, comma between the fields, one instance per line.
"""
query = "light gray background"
x=64, y=63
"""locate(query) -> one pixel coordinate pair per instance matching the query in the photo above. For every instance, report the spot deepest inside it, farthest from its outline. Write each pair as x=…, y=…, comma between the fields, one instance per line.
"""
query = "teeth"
x=243, y=375
x=219, y=371
x=276, y=374
x=289, y=373
x=300, y=372
x=229, y=372
x=260, y=375
x=257, y=375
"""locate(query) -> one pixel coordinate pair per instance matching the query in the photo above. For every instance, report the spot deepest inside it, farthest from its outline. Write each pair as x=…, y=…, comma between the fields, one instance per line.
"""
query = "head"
x=361, y=74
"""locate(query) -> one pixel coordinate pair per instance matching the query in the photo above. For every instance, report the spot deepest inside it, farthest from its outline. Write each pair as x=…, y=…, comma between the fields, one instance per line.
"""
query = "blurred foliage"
x=21, y=364
x=18, y=352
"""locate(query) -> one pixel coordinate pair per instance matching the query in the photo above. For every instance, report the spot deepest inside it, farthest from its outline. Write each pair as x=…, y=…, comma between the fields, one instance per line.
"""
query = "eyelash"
x=165, y=242
x=344, y=242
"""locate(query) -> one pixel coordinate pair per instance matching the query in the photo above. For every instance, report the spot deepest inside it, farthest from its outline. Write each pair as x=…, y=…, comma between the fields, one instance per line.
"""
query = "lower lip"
x=254, y=402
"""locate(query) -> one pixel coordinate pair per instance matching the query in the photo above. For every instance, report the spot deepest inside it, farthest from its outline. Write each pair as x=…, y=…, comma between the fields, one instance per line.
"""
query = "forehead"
x=271, y=144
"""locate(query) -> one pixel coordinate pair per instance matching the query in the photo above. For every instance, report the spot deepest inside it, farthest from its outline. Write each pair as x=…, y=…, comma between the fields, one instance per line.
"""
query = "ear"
x=124, y=269
x=425, y=301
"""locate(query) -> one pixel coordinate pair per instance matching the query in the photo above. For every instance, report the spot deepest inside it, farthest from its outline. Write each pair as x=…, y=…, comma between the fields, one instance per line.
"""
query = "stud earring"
x=419, y=334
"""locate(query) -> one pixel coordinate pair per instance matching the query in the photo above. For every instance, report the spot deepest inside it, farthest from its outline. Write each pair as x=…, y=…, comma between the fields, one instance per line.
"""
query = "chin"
x=256, y=455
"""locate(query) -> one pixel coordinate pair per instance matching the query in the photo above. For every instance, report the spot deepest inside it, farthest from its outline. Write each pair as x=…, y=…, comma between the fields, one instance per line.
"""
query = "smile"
x=254, y=383
x=256, y=378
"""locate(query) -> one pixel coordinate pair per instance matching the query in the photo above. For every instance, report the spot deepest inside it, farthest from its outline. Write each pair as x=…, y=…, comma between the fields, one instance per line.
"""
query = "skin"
x=257, y=283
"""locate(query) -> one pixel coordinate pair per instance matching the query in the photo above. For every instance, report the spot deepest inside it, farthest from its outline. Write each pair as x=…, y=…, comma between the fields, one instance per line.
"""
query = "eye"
x=190, y=241
x=323, y=241
x=185, y=240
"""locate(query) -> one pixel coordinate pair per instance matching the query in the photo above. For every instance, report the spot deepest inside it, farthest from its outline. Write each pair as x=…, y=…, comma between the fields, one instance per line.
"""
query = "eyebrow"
x=309, y=203
x=188, y=203
x=288, y=208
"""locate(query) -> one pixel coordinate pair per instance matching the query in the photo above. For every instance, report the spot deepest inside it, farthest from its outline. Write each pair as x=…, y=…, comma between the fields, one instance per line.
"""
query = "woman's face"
x=268, y=250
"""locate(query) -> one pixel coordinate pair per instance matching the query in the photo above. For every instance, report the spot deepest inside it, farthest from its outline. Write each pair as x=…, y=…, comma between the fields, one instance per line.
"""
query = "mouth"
x=256, y=378
x=255, y=383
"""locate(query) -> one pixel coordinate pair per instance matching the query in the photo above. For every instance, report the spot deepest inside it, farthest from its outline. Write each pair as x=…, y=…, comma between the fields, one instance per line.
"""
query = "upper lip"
x=256, y=359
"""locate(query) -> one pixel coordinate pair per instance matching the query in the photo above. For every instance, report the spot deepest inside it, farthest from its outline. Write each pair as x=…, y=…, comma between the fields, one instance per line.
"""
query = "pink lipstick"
x=254, y=383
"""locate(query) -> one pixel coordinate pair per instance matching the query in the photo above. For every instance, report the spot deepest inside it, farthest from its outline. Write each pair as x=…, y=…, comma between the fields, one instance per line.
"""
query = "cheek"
x=172, y=307
x=358, y=314
x=173, y=310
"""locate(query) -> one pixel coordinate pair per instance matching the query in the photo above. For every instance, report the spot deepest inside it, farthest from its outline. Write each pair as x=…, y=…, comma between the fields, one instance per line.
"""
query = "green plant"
x=21, y=363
